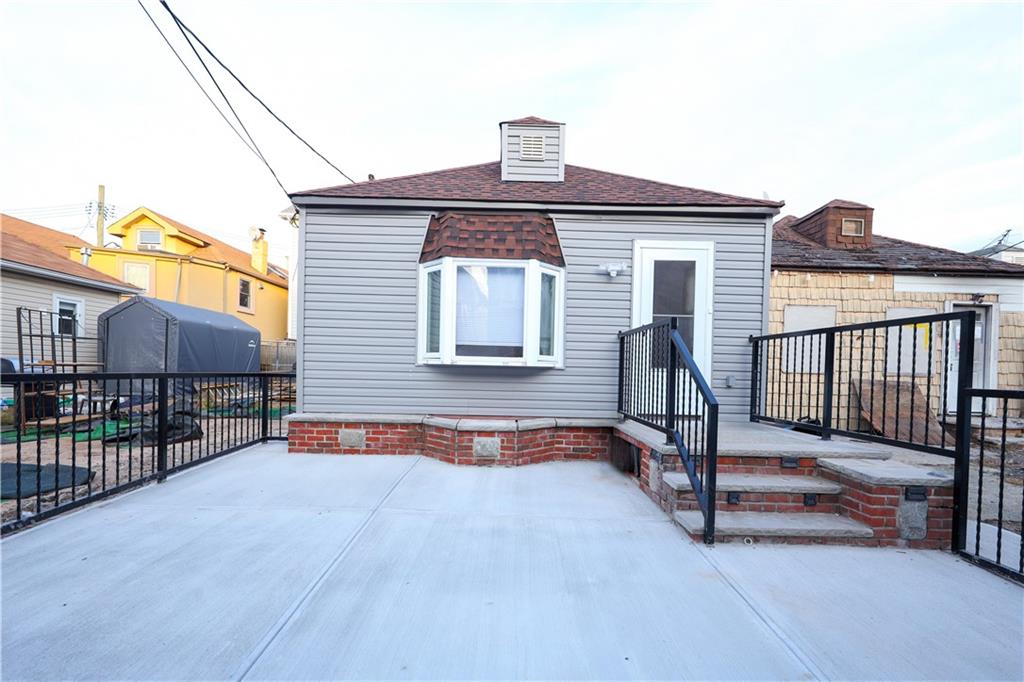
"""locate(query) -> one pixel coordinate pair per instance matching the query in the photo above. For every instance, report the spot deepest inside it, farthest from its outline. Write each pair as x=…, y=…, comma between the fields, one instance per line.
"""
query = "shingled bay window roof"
x=518, y=236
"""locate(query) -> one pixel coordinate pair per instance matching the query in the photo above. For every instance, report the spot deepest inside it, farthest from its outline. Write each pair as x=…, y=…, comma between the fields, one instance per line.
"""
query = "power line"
x=238, y=80
x=225, y=98
x=196, y=80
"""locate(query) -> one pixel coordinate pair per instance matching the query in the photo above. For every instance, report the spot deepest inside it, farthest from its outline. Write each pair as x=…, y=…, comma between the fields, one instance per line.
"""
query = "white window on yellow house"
x=245, y=295
x=137, y=274
x=149, y=240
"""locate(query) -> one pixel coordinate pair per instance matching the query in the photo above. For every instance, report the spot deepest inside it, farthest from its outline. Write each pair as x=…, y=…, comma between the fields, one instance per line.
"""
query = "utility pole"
x=100, y=211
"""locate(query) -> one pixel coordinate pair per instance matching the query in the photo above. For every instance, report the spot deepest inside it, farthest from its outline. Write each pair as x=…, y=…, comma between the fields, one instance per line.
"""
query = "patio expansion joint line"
x=289, y=615
x=791, y=646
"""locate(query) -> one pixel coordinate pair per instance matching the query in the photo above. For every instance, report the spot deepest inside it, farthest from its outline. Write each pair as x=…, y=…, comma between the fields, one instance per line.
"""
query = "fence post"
x=829, y=380
x=264, y=407
x=161, y=427
x=755, y=378
x=622, y=372
x=670, y=387
x=962, y=472
x=711, y=477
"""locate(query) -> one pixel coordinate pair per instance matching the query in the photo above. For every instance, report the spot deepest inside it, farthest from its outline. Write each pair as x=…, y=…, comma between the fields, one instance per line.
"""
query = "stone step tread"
x=758, y=483
x=888, y=472
x=775, y=524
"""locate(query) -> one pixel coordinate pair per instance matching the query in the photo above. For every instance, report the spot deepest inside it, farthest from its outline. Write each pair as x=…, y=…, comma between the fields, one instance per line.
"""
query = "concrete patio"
x=264, y=565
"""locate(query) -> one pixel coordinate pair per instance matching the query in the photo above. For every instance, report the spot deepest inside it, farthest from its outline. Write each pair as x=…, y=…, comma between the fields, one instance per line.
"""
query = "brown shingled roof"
x=40, y=247
x=50, y=239
x=517, y=236
x=792, y=250
x=483, y=182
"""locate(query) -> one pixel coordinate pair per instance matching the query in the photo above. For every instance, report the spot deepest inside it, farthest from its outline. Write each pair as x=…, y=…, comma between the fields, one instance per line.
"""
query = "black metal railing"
x=661, y=386
x=73, y=438
x=894, y=381
x=989, y=532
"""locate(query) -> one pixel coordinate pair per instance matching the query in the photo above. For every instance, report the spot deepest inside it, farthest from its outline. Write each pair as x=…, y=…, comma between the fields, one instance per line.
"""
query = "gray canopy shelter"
x=149, y=335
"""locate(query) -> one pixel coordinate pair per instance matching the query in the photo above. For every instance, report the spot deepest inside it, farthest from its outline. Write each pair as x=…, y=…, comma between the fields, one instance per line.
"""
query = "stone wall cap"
x=487, y=425
x=537, y=423
x=348, y=418
x=442, y=422
x=888, y=472
x=585, y=422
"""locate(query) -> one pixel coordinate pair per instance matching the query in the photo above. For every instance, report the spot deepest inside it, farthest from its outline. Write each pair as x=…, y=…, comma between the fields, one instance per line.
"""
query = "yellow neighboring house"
x=175, y=262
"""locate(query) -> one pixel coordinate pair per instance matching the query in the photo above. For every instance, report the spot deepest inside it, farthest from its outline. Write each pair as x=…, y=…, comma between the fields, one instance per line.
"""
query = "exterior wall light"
x=613, y=269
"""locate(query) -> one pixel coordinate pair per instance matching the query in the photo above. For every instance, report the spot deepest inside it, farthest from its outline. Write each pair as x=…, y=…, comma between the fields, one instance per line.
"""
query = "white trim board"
x=1009, y=290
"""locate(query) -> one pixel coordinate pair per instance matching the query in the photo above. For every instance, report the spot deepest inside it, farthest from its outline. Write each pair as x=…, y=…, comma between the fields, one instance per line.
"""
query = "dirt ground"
x=115, y=464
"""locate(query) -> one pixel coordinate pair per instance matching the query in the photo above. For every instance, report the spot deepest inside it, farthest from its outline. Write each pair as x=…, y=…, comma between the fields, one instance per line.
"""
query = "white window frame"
x=858, y=232
x=448, y=266
x=252, y=295
x=79, y=304
x=139, y=246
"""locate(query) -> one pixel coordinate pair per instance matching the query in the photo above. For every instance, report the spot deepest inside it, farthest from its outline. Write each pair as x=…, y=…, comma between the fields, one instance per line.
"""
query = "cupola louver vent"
x=531, y=148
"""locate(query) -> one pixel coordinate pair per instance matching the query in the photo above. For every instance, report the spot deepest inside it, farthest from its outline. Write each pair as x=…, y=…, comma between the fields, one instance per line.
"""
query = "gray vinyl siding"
x=548, y=170
x=358, y=316
x=18, y=289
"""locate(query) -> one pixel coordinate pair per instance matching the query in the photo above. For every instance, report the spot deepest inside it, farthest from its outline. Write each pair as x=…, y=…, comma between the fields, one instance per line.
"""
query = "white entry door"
x=674, y=279
x=982, y=357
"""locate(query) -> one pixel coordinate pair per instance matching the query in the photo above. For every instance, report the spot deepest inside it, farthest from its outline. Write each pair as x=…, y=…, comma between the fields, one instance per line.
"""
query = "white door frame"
x=703, y=254
x=991, y=353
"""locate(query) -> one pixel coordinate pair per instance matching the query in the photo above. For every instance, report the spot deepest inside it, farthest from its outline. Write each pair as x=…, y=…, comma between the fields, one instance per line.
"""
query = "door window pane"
x=673, y=287
x=434, y=311
x=673, y=290
x=547, y=314
x=489, y=311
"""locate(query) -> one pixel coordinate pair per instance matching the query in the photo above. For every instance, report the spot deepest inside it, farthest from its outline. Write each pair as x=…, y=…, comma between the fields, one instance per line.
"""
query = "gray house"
x=497, y=290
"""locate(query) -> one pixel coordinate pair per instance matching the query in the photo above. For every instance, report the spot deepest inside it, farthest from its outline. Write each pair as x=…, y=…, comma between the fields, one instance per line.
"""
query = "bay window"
x=490, y=312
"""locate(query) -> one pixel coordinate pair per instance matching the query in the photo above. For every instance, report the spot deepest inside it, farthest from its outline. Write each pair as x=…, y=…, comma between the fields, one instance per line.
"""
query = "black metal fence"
x=893, y=381
x=72, y=438
x=661, y=386
x=994, y=496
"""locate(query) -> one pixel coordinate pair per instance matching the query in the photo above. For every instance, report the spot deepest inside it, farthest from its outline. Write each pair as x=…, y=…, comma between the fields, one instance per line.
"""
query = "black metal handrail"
x=661, y=386
x=887, y=381
x=995, y=518
x=74, y=438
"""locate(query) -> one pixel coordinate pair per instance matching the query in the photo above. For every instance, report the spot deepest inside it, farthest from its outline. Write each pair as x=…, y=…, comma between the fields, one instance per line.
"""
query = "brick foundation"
x=449, y=444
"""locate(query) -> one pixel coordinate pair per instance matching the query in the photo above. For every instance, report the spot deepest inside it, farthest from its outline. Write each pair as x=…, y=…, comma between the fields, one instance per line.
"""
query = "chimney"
x=532, y=150
x=259, y=251
x=839, y=224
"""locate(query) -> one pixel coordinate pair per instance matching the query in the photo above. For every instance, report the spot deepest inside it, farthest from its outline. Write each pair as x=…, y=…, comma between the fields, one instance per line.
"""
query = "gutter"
x=889, y=271
x=433, y=204
x=71, y=279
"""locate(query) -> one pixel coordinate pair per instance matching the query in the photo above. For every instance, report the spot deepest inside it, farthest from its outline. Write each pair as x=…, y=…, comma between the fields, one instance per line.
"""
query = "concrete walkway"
x=265, y=565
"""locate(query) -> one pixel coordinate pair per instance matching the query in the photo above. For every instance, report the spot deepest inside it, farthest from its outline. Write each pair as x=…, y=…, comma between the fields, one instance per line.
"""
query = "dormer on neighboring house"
x=839, y=224
x=532, y=150
x=169, y=260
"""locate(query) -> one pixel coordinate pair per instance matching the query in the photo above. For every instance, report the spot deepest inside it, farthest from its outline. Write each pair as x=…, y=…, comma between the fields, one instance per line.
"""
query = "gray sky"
x=915, y=109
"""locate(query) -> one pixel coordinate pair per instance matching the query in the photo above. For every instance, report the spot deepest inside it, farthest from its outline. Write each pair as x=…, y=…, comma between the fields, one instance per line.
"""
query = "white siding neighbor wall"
x=17, y=289
x=358, y=318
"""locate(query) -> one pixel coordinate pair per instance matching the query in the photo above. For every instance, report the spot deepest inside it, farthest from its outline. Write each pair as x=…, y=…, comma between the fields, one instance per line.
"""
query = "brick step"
x=775, y=526
x=762, y=493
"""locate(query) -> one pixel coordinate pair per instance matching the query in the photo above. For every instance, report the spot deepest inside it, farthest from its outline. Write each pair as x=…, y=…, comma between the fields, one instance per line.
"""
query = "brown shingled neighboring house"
x=830, y=268
x=35, y=273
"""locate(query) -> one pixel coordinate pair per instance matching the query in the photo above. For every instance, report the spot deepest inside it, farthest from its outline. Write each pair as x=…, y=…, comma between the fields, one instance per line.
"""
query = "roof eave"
x=308, y=201
x=36, y=271
x=880, y=269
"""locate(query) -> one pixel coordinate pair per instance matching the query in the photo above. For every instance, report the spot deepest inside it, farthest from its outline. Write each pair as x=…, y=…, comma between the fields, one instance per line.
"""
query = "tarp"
x=49, y=477
x=149, y=335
